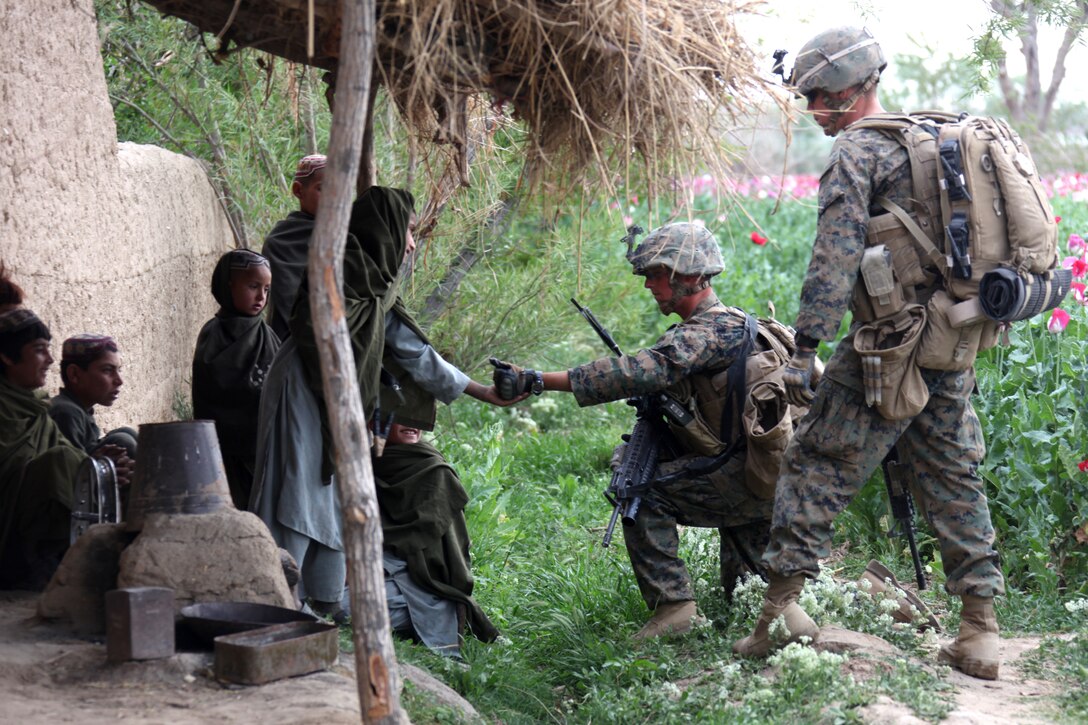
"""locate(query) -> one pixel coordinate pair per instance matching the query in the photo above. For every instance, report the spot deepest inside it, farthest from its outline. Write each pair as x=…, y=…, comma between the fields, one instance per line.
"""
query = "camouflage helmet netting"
x=835, y=60
x=683, y=247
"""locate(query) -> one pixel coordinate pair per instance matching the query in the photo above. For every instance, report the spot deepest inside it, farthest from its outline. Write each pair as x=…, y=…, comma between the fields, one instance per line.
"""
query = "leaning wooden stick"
x=375, y=660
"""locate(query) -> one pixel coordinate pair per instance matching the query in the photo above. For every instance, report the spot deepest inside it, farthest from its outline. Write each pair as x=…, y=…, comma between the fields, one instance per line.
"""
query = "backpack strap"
x=934, y=255
x=736, y=378
x=919, y=134
x=913, y=131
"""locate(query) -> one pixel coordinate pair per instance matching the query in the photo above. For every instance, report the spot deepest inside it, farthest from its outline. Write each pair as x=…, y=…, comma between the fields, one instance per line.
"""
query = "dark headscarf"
x=236, y=260
x=377, y=239
x=233, y=355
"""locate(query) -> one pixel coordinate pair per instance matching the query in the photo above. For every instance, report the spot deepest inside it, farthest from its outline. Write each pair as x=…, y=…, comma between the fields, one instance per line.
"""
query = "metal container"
x=212, y=619
x=272, y=653
x=139, y=623
x=179, y=471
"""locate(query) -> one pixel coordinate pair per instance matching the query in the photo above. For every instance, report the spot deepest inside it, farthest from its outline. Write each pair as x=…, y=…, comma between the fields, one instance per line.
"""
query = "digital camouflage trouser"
x=718, y=501
x=840, y=443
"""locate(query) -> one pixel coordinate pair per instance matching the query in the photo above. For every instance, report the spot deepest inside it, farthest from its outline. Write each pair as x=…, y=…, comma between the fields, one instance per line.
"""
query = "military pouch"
x=768, y=426
x=890, y=269
x=893, y=382
x=698, y=435
x=885, y=294
x=952, y=337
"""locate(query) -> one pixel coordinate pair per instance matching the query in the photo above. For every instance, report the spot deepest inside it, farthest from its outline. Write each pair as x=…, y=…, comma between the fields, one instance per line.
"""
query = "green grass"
x=567, y=607
x=1064, y=661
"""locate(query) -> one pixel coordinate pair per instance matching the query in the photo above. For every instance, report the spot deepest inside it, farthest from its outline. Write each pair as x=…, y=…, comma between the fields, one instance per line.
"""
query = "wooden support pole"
x=375, y=660
x=368, y=174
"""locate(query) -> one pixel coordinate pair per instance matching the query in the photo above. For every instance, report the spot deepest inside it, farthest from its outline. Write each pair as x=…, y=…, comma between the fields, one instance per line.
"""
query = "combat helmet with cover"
x=837, y=59
x=682, y=247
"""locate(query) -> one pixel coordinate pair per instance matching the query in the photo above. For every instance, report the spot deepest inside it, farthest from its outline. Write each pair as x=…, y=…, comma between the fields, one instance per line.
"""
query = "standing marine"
x=842, y=439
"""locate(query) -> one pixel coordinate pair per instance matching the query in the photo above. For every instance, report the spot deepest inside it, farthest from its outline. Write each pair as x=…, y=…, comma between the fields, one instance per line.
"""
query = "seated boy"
x=428, y=578
x=37, y=463
x=90, y=372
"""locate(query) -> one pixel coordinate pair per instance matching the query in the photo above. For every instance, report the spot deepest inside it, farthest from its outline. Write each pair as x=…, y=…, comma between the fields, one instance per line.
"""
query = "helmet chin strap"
x=847, y=103
x=680, y=290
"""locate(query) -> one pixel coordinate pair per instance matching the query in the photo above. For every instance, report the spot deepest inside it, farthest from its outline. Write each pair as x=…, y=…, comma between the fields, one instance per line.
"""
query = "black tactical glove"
x=797, y=377
x=512, y=381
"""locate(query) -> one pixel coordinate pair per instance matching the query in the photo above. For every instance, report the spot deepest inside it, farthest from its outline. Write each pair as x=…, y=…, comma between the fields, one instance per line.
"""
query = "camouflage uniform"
x=841, y=441
x=709, y=340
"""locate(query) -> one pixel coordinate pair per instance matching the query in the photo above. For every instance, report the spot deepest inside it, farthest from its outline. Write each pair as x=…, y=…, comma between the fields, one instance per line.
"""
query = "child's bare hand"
x=124, y=465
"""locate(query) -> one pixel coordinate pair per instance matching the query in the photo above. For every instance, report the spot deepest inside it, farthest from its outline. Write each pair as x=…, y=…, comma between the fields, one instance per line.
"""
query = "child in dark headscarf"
x=233, y=354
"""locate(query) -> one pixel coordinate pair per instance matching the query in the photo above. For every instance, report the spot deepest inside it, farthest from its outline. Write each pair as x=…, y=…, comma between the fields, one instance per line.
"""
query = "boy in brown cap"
x=90, y=372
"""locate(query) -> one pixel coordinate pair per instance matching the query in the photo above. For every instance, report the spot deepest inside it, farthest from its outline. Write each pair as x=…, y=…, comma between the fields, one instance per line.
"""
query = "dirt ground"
x=50, y=676
x=1014, y=699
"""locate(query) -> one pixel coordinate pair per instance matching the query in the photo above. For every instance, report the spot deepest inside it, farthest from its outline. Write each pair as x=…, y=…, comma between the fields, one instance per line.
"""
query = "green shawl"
x=375, y=248
x=33, y=453
x=233, y=354
x=422, y=505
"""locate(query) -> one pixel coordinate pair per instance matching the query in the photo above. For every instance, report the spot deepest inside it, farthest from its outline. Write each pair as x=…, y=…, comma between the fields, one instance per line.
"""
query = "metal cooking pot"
x=179, y=470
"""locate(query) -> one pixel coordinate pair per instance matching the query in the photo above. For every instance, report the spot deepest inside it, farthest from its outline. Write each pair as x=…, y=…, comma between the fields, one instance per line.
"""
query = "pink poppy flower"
x=1080, y=267
x=1077, y=243
x=1079, y=293
x=759, y=239
x=1057, y=220
x=1059, y=318
x=1083, y=466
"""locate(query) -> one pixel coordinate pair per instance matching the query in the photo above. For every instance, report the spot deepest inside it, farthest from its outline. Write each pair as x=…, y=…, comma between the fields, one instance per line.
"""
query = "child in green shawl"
x=233, y=354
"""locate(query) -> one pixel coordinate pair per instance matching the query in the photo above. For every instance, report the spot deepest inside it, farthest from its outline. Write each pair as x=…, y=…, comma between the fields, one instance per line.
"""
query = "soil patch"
x=49, y=675
x=1013, y=699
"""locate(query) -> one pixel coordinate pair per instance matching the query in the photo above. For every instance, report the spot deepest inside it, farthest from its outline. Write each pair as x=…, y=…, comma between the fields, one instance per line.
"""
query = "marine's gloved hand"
x=797, y=377
x=511, y=381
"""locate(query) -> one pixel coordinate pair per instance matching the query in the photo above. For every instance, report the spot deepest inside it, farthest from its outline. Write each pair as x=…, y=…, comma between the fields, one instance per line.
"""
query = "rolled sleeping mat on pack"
x=1006, y=297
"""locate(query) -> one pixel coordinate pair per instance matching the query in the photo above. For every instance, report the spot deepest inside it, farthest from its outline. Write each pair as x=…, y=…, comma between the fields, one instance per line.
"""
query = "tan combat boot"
x=780, y=600
x=670, y=618
x=974, y=652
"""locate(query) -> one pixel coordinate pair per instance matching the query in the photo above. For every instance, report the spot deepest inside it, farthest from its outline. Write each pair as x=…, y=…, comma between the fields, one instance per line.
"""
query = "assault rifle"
x=896, y=477
x=635, y=474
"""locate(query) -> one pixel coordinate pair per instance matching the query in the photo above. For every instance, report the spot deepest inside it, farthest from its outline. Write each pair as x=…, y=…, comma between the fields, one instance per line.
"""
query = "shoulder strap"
x=939, y=260
x=736, y=379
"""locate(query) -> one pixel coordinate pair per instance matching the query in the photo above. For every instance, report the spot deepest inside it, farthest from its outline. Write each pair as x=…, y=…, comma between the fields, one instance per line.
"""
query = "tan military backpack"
x=978, y=206
x=745, y=404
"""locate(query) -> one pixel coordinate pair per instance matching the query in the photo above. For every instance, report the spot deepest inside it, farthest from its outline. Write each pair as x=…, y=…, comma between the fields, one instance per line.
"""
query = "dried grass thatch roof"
x=594, y=80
